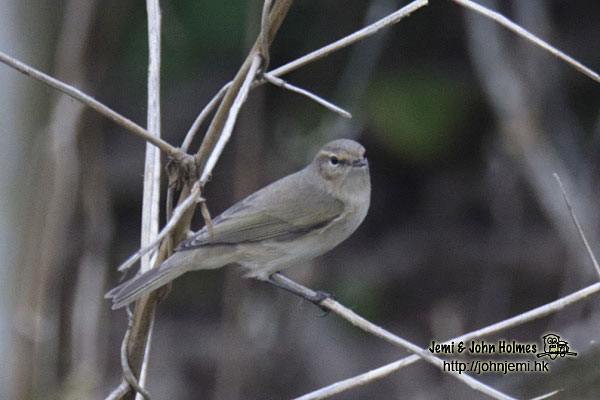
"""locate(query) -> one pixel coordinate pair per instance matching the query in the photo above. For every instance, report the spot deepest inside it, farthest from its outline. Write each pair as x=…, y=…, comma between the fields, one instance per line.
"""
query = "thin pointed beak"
x=360, y=163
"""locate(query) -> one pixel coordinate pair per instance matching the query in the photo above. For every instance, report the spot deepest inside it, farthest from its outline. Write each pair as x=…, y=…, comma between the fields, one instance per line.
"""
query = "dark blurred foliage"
x=460, y=233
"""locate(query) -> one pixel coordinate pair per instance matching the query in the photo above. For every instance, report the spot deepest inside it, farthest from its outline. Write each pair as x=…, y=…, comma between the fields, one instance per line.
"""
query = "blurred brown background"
x=464, y=125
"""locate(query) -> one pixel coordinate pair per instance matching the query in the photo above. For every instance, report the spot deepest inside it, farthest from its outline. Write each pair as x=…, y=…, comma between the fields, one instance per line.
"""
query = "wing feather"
x=275, y=212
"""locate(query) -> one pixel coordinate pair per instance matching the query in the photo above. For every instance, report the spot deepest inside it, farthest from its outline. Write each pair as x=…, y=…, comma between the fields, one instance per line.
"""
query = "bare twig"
x=231, y=119
x=189, y=137
x=576, y=222
x=207, y=219
x=150, y=206
x=179, y=212
x=151, y=198
x=348, y=40
x=547, y=395
x=385, y=370
x=264, y=35
x=90, y=102
x=356, y=381
x=285, y=85
x=119, y=391
x=146, y=360
x=202, y=116
x=378, y=331
x=128, y=374
x=169, y=214
x=502, y=20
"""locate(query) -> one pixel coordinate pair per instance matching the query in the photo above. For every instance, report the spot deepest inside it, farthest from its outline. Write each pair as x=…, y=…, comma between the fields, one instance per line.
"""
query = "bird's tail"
x=147, y=282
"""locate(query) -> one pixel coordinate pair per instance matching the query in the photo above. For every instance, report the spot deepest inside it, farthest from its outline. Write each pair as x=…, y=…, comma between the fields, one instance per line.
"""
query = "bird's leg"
x=314, y=296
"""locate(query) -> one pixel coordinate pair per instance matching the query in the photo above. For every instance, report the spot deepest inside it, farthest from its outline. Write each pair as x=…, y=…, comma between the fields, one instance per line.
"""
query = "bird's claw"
x=318, y=298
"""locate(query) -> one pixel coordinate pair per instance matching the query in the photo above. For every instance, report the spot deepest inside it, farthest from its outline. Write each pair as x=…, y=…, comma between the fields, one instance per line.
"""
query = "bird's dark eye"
x=333, y=160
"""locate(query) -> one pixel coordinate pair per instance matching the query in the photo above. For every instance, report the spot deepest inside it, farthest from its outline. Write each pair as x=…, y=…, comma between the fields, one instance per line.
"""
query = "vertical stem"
x=150, y=206
x=152, y=168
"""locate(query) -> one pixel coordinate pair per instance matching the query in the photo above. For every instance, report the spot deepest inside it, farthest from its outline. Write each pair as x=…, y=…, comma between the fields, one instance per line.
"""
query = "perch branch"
x=385, y=370
x=378, y=331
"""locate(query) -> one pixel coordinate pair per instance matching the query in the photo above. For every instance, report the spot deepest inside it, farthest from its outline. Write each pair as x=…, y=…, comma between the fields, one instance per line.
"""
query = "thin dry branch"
x=576, y=222
x=270, y=77
x=385, y=370
x=285, y=85
x=202, y=116
x=178, y=213
x=548, y=395
x=378, y=331
x=231, y=119
x=128, y=375
x=150, y=203
x=264, y=35
x=118, y=392
x=348, y=40
x=507, y=23
x=90, y=102
x=144, y=370
x=136, y=376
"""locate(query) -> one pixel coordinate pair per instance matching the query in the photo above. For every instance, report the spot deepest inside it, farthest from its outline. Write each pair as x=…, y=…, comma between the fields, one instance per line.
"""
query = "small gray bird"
x=292, y=220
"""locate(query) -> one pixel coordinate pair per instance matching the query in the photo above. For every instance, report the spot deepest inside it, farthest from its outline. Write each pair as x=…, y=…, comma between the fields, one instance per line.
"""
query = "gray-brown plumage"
x=289, y=221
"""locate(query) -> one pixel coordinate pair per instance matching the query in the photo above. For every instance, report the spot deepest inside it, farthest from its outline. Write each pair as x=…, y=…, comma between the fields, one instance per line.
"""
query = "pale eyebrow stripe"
x=344, y=157
x=327, y=153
